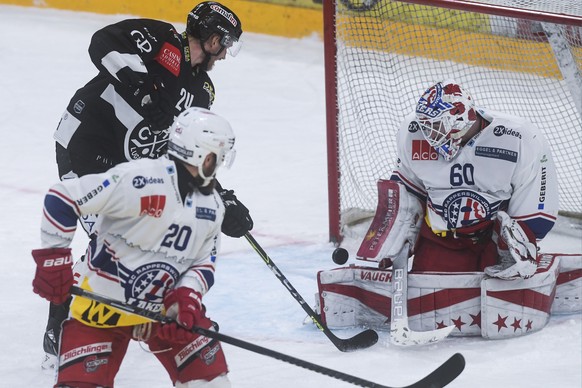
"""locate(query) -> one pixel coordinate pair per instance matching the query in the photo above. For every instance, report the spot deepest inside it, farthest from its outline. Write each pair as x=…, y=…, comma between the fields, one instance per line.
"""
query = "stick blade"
x=443, y=375
x=401, y=335
x=361, y=340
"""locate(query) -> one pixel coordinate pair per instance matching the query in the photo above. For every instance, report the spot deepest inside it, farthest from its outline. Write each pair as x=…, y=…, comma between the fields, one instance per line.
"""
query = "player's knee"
x=221, y=381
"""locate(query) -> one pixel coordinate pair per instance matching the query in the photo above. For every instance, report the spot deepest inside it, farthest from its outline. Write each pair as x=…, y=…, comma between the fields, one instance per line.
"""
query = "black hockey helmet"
x=211, y=17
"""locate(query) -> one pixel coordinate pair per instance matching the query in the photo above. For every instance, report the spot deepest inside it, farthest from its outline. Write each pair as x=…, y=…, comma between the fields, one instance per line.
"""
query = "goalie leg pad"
x=521, y=306
x=362, y=296
x=568, y=298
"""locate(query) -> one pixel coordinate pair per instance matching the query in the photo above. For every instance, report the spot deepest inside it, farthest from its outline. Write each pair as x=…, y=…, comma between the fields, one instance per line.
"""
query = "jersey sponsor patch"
x=152, y=205
x=413, y=127
x=496, y=153
x=74, y=355
x=170, y=57
x=205, y=213
x=421, y=150
x=140, y=182
x=93, y=193
x=501, y=130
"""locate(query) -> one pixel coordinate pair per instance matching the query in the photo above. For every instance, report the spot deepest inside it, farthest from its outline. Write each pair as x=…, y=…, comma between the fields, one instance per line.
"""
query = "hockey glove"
x=237, y=220
x=54, y=274
x=185, y=306
x=516, y=246
x=157, y=107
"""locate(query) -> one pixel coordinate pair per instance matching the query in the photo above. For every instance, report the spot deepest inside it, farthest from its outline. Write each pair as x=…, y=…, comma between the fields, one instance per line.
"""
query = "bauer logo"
x=421, y=150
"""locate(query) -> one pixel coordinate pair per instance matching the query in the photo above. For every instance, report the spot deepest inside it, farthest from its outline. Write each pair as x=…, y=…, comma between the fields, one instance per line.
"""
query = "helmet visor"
x=232, y=44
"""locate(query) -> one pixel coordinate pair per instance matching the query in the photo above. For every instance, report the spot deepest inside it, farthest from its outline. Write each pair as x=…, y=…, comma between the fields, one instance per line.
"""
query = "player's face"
x=209, y=165
x=215, y=49
x=434, y=131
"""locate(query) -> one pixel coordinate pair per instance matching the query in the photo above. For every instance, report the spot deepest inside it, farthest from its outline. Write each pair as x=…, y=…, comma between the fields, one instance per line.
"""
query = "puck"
x=340, y=256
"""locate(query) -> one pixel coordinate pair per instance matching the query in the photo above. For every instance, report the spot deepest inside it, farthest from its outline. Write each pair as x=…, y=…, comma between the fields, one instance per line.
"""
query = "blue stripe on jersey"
x=539, y=226
x=208, y=276
x=60, y=211
x=411, y=190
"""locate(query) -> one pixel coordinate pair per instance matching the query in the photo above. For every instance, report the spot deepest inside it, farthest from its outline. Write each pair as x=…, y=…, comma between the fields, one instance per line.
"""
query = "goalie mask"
x=445, y=112
x=196, y=133
x=209, y=18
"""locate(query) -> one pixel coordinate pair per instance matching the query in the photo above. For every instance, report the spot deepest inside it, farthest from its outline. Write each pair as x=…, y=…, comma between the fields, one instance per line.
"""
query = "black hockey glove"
x=157, y=107
x=237, y=220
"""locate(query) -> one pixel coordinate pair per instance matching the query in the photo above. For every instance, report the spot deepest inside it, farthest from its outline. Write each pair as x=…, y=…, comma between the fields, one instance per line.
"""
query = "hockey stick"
x=440, y=377
x=400, y=333
x=362, y=340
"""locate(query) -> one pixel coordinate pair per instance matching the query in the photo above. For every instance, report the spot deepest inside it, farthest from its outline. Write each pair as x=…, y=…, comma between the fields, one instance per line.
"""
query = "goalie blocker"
x=473, y=302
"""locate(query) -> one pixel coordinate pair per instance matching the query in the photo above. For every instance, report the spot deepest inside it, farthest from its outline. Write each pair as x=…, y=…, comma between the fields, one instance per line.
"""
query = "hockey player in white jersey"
x=158, y=237
x=485, y=183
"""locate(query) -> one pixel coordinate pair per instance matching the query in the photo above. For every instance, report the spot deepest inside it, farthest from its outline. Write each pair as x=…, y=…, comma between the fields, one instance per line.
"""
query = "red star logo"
x=500, y=323
x=516, y=324
x=441, y=324
x=476, y=319
x=458, y=323
x=528, y=326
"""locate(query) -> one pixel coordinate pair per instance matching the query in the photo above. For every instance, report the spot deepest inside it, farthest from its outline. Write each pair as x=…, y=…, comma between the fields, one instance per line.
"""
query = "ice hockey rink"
x=273, y=95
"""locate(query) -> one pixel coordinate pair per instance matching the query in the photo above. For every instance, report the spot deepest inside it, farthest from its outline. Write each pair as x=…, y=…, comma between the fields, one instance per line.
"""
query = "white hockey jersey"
x=148, y=239
x=507, y=166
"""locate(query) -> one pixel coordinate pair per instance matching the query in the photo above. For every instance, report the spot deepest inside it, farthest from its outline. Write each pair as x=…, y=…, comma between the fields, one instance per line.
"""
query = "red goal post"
x=520, y=57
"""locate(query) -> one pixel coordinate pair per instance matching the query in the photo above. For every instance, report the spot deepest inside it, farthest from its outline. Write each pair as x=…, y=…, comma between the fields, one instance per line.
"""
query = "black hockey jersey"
x=104, y=123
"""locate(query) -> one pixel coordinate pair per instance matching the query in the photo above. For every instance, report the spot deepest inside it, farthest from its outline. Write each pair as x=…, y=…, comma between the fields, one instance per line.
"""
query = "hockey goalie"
x=456, y=230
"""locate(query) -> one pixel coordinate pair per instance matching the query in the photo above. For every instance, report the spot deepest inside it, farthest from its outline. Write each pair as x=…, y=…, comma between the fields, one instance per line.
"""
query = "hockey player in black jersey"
x=148, y=74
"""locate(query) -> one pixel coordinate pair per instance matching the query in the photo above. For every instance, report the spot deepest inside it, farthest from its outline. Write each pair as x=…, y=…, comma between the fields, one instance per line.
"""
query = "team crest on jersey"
x=464, y=208
x=142, y=142
x=145, y=286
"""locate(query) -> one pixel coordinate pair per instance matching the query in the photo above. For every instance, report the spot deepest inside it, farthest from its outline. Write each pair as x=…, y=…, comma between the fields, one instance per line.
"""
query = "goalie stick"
x=440, y=377
x=362, y=340
x=400, y=333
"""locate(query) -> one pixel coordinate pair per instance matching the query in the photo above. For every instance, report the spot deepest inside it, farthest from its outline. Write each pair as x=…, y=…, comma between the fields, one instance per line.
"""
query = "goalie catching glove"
x=184, y=305
x=516, y=246
x=54, y=274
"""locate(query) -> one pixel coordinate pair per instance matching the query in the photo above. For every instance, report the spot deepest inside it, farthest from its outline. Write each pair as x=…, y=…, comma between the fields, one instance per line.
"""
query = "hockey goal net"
x=522, y=57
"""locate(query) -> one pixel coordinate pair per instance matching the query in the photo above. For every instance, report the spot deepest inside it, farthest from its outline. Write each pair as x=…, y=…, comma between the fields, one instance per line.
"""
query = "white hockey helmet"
x=445, y=112
x=198, y=132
